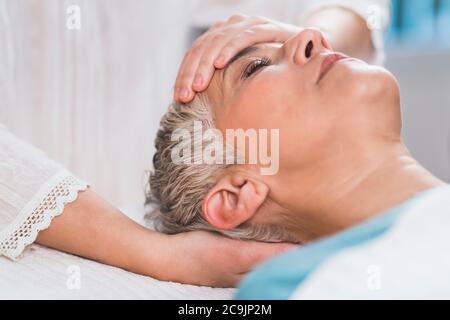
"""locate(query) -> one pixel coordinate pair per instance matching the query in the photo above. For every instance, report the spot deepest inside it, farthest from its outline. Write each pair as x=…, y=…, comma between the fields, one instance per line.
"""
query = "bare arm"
x=345, y=30
x=92, y=228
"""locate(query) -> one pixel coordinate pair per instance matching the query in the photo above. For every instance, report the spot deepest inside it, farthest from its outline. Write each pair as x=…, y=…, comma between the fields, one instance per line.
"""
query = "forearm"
x=345, y=30
x=92, y=228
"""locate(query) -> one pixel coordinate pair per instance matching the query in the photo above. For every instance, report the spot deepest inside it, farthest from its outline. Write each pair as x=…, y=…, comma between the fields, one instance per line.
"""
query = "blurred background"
x=92, y=96
x=418, y=53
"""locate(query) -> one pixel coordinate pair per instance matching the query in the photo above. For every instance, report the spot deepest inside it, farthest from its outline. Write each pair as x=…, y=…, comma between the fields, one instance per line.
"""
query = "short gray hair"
x=178, y=189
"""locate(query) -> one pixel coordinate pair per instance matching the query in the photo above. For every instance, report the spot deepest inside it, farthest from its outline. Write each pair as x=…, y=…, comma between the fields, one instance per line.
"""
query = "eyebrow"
x=238, y=56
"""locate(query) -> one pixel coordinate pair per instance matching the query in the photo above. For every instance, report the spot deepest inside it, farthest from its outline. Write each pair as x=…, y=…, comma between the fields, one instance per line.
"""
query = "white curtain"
x=92, y=97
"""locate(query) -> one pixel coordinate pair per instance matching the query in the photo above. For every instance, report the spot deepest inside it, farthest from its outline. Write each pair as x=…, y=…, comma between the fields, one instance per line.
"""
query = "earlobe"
x=233, y=201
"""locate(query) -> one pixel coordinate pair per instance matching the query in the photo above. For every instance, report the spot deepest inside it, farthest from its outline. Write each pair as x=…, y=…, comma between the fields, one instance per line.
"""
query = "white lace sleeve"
x=33, y=190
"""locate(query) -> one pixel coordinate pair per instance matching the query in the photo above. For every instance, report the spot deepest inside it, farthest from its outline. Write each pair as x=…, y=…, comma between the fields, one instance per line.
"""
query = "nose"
x=305, y=46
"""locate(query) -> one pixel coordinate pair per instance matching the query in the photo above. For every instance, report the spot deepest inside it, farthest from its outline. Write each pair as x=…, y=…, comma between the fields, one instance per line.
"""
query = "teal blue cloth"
x=278, y=278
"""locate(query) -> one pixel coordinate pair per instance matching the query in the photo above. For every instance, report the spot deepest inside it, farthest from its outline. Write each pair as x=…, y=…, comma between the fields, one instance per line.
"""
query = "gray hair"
x=178, y=189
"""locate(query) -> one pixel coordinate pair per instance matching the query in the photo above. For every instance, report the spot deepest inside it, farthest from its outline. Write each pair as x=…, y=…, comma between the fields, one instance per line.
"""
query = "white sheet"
x=48, y=274
x=44, y=273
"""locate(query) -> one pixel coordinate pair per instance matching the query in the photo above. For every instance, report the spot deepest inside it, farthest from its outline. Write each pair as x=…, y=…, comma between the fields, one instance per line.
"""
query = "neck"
x=344, y=192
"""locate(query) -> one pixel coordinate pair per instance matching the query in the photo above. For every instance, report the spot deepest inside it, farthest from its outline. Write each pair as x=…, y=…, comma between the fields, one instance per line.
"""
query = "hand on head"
x=219, y=44
x=208, y=259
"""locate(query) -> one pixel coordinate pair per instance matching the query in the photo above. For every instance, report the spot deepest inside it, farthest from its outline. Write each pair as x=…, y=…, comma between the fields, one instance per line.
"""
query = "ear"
x=233, y=200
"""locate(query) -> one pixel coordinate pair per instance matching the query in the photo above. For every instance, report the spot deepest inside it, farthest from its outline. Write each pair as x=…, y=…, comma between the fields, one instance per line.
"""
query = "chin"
x=366, y=82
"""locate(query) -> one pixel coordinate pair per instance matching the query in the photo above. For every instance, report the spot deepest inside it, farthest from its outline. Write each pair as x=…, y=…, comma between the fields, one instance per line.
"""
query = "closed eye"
x=255, y=66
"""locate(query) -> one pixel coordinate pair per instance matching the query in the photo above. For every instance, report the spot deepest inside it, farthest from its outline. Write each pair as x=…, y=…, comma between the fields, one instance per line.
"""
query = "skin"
x=345, y=30
x=90, y=227
x=342, y=159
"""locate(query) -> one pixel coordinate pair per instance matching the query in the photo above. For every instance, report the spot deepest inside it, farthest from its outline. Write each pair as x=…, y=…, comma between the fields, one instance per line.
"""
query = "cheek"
x=279, y=100
x=352, y=94
x=272, y=99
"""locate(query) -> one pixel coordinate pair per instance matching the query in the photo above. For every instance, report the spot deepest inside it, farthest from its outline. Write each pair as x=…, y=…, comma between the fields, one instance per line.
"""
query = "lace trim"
x=50, y=201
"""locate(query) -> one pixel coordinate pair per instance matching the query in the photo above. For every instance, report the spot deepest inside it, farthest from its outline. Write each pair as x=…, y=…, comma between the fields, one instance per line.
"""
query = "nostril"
x=309, y=48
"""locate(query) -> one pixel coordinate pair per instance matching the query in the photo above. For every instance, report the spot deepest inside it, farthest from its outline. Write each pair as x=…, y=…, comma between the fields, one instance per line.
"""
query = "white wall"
x=91, y=97
x=425, y=91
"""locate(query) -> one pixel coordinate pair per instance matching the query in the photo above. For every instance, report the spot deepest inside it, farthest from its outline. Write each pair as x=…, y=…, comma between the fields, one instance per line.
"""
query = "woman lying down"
x=342, y=176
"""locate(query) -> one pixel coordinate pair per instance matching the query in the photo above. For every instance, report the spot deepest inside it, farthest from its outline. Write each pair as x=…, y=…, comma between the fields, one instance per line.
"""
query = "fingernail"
x=198, y=80
x=184, y=93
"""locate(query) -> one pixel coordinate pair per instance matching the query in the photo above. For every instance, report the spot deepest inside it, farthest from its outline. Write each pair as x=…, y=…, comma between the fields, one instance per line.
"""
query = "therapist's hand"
x=208, y=259
x=219, y=44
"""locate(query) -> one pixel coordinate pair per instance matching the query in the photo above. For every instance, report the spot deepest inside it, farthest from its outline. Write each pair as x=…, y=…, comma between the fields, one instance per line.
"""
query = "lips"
x=329, y=62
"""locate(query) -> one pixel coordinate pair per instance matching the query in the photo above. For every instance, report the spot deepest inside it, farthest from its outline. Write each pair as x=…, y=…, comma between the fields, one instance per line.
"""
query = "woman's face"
x=321, y=102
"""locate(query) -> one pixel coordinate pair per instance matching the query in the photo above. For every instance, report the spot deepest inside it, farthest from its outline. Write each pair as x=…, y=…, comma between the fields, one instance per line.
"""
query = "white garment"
x=375, y=12
x=33, y=190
